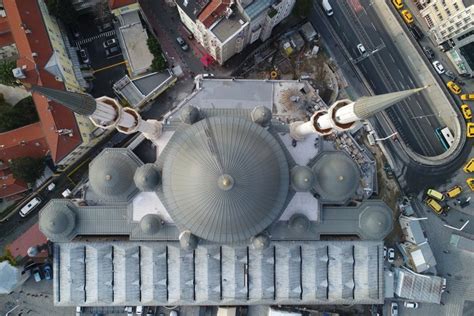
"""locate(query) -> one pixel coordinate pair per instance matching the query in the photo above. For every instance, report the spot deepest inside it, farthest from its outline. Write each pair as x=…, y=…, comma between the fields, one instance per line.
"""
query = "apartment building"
x=225, y=27
x=451, y=23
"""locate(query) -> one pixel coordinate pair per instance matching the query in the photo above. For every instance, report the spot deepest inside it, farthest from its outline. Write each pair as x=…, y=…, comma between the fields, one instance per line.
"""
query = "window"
x=440, y=17
x=435, y=7
x=456, y=7
x=448, y=12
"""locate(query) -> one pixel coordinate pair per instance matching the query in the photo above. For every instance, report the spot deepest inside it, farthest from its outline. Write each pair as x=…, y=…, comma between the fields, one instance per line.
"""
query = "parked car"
x=470, y=129
x=469, y=166
x=391, y=255
x=361, y=49
x=182, y=43
x=66, y=193
x=110, y=42
x=450, y=74
x=428, y=52
x=454, y=87
x=108, y=26
x=78, y=310
x=398, y=4
x=84, y=56
x=407, y=16
x=394, y=309
x=454, y=192
x=416, y=31
x=467, y=97
x=410, y=304
x=47, y=271
x=51, y=186
x=31, y=205
x=37, y=274
x=466, y=111
x=470, y=183
x=112, y=51
x=139, y=310
x=439, y=68
x=463, y=202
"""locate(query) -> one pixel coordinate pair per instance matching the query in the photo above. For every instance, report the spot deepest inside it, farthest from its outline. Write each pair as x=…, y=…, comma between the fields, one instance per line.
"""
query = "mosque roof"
x=57, y=219
x=225, y=179
x=147, y=177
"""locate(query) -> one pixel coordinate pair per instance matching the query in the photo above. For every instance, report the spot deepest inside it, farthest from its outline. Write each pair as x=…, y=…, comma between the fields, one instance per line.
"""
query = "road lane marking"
x=363, y=68
x=411, y=61
x=411, y=81
x=374, y=27
x=337, y=22
x=393, y=59
x=419, y=105
x=345, y=36
x=400, y=72
x=428, y=121
x=401, y=84
x=110, y=66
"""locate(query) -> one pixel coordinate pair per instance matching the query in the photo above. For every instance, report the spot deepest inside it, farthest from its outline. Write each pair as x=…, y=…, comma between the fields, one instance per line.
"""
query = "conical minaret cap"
x=80, y=103
x=366, y=107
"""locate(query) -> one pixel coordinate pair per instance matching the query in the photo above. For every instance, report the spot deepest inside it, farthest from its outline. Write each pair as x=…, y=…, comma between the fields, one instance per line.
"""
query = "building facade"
x=451, y=24
x=225, y=28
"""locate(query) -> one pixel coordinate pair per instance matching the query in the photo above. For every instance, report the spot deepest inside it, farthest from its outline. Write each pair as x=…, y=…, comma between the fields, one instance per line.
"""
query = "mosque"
x=242, y=205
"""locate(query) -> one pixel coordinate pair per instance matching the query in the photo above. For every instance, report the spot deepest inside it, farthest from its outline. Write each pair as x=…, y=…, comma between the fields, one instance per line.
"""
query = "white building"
x=451, y=24
x=225, y=27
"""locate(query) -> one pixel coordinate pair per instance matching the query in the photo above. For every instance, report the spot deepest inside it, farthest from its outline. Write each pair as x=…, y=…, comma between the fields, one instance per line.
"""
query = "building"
x=451, y=24
x=418, y=287
x=225, y=27
x=46, y=59
x=230, y=211
x=7, y=44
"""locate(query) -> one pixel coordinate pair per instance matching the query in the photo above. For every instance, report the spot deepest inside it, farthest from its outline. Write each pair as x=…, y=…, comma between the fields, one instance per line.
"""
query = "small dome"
x=57, y=220
x=111, y=174
x=189, y=114
x=299, y=223
x=337, y=177
x=188, y=241
x=260, y=242
x=147, y=177
x=261, y=115
x=375, y=222
x=150, y=224
x=302, y=178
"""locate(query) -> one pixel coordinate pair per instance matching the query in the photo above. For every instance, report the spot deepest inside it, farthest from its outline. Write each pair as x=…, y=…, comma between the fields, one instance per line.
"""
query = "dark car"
x=84, y=56
x=48, y=271
x=112, y=51
x=428, y=52
x=108, y=26
x=417, y=32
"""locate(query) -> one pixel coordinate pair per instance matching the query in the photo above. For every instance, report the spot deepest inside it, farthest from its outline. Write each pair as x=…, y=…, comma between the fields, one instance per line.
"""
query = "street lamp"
x=385, y=138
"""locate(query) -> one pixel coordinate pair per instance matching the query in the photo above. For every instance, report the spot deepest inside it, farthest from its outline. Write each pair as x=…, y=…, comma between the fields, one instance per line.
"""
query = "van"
x=435, y=194
x=327, y=7
x=435, y=206
x=25, y=210
x=454, y=192
x=469, y=167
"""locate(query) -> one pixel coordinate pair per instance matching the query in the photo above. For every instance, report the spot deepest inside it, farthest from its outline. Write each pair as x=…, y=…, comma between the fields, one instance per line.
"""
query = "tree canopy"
x=63, y=10
x=302, y=8
x=28, y=169
x=21, y=114
x=159, y=62
x=6, y=74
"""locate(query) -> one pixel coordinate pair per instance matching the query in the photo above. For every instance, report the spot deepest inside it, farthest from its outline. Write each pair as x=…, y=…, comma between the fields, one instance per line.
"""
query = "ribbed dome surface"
x=375, y=222
x=111, y=174
x=147, y=177
x=150, y=224
x=336, y=177
x=302, y=178
x=261, y=115
x=225, y=179
x=57, y=220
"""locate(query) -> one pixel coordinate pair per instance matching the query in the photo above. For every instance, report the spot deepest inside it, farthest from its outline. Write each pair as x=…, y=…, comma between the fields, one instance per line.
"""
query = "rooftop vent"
x=18, y=73
x=34, y=54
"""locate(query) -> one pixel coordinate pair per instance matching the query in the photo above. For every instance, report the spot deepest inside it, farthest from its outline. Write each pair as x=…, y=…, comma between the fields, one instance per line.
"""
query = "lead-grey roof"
x=337, y=177
x=302, y=178
x=162, y=273
x=147, y=177
x=243, y=155
x=57, y=220
x=375, y=221
x=80, y=103
x=111, y=174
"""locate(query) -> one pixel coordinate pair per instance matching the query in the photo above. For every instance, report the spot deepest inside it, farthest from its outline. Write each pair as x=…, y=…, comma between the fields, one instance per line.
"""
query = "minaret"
x=104, y=112
x=343, y=114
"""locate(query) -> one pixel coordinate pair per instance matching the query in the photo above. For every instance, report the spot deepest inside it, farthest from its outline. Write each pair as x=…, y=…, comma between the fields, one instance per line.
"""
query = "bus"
x=445, y=137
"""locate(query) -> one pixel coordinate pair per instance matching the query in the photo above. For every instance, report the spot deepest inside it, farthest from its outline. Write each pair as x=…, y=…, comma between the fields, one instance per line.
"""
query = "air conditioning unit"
x=18, y=73
x=34, y=54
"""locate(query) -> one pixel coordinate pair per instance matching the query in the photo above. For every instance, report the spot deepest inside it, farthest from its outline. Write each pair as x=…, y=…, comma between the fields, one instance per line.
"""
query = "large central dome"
x=224, y=178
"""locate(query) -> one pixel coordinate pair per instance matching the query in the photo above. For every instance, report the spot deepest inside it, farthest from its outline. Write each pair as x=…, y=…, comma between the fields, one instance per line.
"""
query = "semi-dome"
x=260, y=242
x=302, y=178
x=188, y=241
x=147, y=177
x=150, y=224
x=111, y=174
x=261, y=115
x=189, y=114
x=57, y=219
x=299, y=223
x=336, y=177
x=224, y=178
x=375, y=221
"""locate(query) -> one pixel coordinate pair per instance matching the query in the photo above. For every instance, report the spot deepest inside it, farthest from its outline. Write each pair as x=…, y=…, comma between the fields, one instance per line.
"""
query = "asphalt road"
x=386, y=70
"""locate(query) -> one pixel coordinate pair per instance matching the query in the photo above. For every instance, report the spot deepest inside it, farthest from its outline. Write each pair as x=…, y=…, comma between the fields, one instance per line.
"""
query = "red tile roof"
x=25, y=15
x=31, y=237
x=6, y=37
x=213, y=11
x=9, y=186
x=114, y=4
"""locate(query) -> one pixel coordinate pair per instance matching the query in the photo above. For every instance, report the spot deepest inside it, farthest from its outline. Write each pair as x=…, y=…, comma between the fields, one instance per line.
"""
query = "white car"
x=391, y=255
x=139, y=310
x=410, y=304
x=394, y=309
x=361, y=49
x=439, y=68
x=51, y=186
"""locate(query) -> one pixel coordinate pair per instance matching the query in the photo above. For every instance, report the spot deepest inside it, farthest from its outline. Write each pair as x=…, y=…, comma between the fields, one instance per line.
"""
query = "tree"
x=63, y=10
x=21, y=114
x=28, y=169
x=6, y=74
x=302, y=7
x=158, y=63
x=154, y=46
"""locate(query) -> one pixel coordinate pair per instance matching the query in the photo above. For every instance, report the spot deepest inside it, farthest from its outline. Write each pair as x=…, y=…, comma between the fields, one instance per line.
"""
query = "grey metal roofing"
x=375, y=221
x=57, y=220
x=224, y=178
x=161, y=273
x=302, y=178
x=9, y=277
x=417, y=231
x=418, y=287
x=261, y=115
x=150, y=224
x=256, y=7
x=111, y=174
x=80, y=103
x=337, y=176
x=189, y=114
x=147, y=177
x=148, y=83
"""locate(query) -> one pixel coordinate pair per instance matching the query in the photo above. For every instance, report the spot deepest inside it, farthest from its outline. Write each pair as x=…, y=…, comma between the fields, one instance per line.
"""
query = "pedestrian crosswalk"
x=93, y=38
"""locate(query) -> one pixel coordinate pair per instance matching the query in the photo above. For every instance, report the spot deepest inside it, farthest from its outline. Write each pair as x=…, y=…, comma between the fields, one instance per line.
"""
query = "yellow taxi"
x=467, y=97
x=466, y=111
x=398, y=4
x=470, y=183
x=454, y=87
x=407, y=16
x=454, y=191
x=435, y=206
x=469, y=167
x=470, y=129
x=435, y=194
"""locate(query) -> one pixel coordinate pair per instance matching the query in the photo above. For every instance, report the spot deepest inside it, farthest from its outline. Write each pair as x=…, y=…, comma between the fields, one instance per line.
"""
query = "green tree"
x=6, y=74
x=63, y=10
x=301, y=8
x=28, y=169
x=158, y=63
x=21, y=114
x=154, y=46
